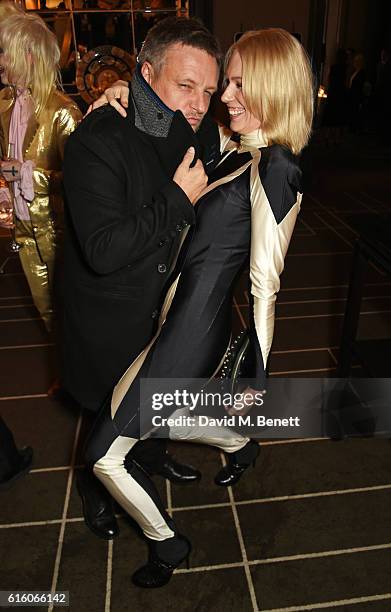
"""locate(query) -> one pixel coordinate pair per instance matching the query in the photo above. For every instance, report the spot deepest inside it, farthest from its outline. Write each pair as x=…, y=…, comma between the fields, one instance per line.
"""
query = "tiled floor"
x=309, y=528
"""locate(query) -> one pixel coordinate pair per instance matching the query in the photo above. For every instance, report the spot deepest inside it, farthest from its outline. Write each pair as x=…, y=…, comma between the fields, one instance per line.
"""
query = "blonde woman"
x=248, y=212
x=37, y=118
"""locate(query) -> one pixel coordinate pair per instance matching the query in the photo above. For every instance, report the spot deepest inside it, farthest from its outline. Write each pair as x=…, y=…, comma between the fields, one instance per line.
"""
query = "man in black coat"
x=130, y=183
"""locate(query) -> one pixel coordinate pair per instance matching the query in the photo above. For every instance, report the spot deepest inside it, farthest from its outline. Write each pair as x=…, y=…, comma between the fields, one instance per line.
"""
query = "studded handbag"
x=236, y=362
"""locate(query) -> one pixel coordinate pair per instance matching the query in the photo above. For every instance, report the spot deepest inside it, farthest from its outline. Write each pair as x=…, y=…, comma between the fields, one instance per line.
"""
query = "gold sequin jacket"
x=43, y=144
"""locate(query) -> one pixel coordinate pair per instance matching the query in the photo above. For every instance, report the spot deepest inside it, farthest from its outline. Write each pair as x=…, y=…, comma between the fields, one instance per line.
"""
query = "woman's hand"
x=10, y=169
x=118, y=91
x=245, y=401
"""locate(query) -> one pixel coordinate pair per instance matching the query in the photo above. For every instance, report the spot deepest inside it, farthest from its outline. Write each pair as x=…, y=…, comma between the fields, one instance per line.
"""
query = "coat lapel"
x=171, y=150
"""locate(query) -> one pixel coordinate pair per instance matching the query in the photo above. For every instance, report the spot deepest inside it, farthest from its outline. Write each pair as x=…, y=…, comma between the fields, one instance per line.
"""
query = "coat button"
x=162, y=268
x=179, y=228
x=154, y=314
x=162, y=243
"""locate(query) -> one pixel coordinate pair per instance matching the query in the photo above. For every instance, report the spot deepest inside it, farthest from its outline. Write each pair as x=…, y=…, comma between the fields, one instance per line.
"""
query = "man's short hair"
x=174, y=30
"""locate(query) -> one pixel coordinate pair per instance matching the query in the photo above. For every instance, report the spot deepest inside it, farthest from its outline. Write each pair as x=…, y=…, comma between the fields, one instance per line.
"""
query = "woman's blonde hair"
x=32, y=56
x=277, y=84
x=8, y=8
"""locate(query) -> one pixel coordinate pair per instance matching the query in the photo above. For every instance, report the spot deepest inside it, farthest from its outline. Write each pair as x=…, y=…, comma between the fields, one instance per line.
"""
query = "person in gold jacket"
x=36, y=118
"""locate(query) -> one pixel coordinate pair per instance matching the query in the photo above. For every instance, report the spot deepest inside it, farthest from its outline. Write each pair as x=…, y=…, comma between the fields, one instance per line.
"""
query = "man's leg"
x=98, y=509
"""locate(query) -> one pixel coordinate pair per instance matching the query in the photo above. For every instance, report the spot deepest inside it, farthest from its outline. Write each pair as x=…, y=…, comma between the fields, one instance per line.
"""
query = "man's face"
x=186, y=81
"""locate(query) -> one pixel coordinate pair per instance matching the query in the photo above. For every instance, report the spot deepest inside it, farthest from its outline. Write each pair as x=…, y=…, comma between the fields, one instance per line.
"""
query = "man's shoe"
x=157, y=572
x=26, y=459
x=98, y=509
x=237, y=464
x=178, y=472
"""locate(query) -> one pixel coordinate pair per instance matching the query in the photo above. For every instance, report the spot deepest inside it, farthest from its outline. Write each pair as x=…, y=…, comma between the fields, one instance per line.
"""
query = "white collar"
x=253, y=140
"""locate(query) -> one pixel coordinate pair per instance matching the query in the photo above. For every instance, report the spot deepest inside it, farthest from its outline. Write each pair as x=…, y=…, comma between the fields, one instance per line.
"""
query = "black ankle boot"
x=237, y=464
x=97, y=506
x=163, y=558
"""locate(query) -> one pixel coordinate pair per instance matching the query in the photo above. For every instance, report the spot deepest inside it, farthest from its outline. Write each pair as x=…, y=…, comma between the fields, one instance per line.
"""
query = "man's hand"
x=10, y=170
x=118, y=91
x=191, y=180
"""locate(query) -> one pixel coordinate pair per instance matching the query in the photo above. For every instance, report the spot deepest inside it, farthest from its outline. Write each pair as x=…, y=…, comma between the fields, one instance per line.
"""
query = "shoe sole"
x=181, y=482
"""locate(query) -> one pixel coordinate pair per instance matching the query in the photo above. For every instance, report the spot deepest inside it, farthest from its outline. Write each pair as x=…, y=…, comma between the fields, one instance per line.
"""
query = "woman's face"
x=6, y=78
x=242, y=121
x=3, y=71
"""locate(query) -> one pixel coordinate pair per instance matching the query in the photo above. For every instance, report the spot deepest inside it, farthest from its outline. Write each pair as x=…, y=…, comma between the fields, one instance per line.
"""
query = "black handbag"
x=236, y=363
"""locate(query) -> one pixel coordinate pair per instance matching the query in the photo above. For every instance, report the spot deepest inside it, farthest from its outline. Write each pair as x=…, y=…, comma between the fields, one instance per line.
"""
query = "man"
x=130, y=183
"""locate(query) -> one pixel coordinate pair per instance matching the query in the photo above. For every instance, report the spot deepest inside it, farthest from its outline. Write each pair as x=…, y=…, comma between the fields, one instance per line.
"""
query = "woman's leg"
x=241, y=451
x=133, y=489
x=224, y=438
x=105, y=453
x=36, y=271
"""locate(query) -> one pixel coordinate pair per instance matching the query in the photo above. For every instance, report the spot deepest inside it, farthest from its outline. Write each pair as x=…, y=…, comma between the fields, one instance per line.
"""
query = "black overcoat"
x=124, y=216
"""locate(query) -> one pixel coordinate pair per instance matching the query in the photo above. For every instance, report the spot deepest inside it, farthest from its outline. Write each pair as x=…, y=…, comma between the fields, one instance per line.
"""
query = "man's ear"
x=147, y=72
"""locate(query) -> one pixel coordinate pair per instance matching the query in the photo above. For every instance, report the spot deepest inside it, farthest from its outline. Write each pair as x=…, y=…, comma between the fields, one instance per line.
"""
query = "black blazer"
x=124, y=216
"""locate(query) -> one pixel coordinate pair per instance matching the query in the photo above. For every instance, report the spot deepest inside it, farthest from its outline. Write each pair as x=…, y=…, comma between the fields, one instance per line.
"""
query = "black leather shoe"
x=157, y=572
x=178, y=472
x=237, y=464
x=26, y=459
x=97, y=506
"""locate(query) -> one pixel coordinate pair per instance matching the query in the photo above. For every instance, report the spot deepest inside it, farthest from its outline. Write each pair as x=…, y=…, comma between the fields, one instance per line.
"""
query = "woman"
x=248, y=210
x=36, y=118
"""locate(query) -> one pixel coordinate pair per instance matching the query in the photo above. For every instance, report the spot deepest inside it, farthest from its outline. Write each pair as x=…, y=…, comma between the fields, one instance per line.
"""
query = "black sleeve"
x=96, y=188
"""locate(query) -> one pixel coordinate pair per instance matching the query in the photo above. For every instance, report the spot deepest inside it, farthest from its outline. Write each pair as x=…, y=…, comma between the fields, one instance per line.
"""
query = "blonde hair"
x=8, y=8
x=32, y=56
x=277, y=85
